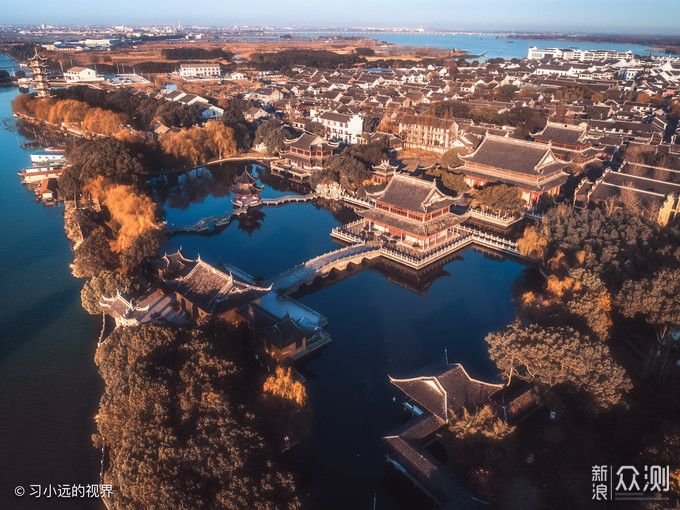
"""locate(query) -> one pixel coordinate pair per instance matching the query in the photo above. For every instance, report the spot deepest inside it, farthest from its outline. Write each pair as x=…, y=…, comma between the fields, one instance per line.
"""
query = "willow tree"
x=533, y=243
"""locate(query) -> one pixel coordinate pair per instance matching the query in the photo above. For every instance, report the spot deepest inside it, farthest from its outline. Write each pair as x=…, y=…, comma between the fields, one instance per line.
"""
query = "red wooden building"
x=530, y=166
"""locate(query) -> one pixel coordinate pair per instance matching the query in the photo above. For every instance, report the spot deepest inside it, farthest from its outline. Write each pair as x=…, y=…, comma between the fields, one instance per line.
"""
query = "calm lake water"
x=382, y=323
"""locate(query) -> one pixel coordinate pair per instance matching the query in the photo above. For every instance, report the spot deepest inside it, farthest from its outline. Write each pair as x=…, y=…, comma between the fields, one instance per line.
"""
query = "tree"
x=585, y=297
x=234, y=119
x=370, y=124
x=451, y=158
x=105, y=284
x=551, y=356
x=142, y=247
x=500, y=198
x=281, y=384
x=273, y=135
x=573, y=93
x=118, y=161
x=533, y=243
x=93, y=256
x=654, y=298
x=364, y=52
x=177, y=422
x=616, y=247
x=198, y=145
x=315, y=127
x=504, y=93
x=351, y=173
x=454, y=182
x=482, y=423
x=545, y=202
x=369, y=153
x=643, y=97
x=320, y=59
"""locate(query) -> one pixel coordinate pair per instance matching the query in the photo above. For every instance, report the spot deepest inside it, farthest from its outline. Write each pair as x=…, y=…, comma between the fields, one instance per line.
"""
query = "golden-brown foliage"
x=481, y=423
x=132, y=213
x=281, y=384
x=201, y=144
x=71, y=113
x=533, y=242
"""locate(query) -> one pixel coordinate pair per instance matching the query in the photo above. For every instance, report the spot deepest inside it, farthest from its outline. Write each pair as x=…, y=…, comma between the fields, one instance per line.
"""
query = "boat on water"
x=38, y=173
x=47, y=155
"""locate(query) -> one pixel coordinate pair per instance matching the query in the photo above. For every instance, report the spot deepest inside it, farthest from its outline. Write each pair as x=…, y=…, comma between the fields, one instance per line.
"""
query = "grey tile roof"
x=413, y=194
x=572, y=135
x=444, y=389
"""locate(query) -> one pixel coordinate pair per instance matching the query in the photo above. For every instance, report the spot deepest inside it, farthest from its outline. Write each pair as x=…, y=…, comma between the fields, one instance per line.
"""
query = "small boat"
x=44, y=157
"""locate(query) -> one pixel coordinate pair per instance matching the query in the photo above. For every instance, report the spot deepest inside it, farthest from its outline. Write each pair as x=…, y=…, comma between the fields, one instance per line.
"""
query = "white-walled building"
x=81, y=75
x=582, y=55
x=341, y=127
x=205, y=70
x=208, y=111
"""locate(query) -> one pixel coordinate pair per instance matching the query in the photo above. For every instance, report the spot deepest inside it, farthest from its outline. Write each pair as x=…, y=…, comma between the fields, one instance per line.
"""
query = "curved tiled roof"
x=513, y=155
x=444, y=388
x=413, y=194
x=562, y=133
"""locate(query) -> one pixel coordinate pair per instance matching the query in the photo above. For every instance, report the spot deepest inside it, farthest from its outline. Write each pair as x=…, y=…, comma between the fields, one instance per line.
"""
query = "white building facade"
x=81, y=75
x=341, y=127
x=199, y=70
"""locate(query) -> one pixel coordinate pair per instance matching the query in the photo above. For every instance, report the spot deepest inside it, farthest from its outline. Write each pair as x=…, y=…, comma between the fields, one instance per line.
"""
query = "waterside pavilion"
x=245, y=190
x=436, y=396
x=202, y=289
x=531, y=166
x=413, y=211
x=304, y=154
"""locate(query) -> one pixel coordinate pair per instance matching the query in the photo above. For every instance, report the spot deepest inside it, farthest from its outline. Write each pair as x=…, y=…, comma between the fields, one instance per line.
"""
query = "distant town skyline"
x=604, y=16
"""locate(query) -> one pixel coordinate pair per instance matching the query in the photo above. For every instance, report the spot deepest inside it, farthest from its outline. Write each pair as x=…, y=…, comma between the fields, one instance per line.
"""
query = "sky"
x=602, y=16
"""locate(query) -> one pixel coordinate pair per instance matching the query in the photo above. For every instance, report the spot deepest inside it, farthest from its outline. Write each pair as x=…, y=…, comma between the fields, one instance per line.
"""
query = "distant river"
x=477, y=44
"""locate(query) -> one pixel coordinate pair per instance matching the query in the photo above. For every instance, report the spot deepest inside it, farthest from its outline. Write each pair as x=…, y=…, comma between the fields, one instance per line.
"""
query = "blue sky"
x=626, y=16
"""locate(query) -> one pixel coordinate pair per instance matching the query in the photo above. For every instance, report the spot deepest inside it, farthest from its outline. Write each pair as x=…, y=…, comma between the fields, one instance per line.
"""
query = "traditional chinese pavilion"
x=383, y=172
x=415, y=211
x=530, y=166
x=245, y=190
x=568, y=143
x=308, y=151
x=282, y=338
x=437, y=394
x=202, y=289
